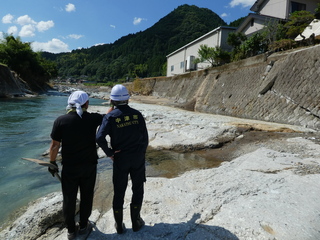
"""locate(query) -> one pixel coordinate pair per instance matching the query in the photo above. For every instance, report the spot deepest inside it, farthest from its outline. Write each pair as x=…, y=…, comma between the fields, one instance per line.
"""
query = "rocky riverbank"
x=267, y=187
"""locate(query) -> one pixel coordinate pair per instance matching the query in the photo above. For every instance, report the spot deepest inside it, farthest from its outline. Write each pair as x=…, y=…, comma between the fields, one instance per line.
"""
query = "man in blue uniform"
x=129, y=140
x=76, y=132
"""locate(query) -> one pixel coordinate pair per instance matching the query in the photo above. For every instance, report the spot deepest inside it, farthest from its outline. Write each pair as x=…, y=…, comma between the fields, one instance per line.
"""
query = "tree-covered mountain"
x=237, y=22
x=142, y=54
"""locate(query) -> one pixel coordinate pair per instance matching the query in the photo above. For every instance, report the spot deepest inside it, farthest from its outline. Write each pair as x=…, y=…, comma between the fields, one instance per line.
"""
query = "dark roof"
x=256, y=6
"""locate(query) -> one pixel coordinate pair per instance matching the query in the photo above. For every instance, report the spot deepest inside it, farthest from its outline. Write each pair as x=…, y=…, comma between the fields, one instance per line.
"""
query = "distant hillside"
x=142, y=54
x=237, y=22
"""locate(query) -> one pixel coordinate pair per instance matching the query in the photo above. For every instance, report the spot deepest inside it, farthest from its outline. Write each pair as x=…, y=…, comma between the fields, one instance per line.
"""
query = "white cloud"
x=75, y=36
x=13, y=30
x=113, y=26
x=70, y=7
x=29, y=26
x=224, y=15
x=53, y=46
x=24, y=20
x=137, y=21
x=243, y=3
x=27, y=31
x=7, y=18
x=44, y=26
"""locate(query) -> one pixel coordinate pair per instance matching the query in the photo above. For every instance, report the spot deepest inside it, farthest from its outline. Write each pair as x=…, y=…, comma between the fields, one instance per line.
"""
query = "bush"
x=282, y=45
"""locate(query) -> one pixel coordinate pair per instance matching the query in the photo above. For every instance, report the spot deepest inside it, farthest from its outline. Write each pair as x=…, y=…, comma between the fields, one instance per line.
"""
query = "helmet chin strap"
x=119, y=103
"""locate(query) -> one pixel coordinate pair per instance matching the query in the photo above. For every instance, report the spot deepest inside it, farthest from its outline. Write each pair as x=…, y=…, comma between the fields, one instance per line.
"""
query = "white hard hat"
x=119, y=93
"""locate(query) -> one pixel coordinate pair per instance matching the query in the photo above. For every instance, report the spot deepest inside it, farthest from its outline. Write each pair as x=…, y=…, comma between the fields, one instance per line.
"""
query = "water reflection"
x=170, y=164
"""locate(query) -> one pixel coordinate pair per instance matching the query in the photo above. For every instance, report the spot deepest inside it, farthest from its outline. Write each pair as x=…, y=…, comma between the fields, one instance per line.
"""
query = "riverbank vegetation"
x=29, y=65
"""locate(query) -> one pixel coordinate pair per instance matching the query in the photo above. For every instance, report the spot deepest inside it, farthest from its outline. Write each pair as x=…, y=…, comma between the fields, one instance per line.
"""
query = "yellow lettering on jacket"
x=129, y=123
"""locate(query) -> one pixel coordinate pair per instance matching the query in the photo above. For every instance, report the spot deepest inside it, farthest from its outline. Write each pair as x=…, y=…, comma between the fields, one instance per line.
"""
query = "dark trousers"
x=123, y=166
x=74, y=178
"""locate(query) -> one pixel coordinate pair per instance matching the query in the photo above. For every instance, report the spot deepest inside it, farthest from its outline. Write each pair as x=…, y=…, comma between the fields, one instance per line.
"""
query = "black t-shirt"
x=77, y=136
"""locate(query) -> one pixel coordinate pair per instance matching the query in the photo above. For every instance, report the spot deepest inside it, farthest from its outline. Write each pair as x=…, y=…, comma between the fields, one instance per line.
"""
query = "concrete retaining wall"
x=282, y=87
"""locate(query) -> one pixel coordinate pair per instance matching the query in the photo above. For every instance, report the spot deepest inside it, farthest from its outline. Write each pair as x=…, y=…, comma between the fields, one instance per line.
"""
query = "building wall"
x=275, y=8
x=282, y=9
x=311, y=5
x=176, y=61
x=254, y=26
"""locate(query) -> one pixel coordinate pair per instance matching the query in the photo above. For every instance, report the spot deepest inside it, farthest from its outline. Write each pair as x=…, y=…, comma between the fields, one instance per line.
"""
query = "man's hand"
x=112, y=157
x=110, y=109
x=53, y=170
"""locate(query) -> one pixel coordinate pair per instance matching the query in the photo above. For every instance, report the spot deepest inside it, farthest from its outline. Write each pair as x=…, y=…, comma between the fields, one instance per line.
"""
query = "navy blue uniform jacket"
x=127, y=130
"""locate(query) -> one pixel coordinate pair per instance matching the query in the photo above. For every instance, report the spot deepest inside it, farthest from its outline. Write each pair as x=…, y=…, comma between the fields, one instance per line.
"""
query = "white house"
x=268, y=10
x=181, y=60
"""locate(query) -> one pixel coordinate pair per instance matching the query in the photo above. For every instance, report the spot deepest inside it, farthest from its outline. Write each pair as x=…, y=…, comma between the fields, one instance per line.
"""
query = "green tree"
x=298, y=21
x=235, y=39
x=30, y=66
x=317, y=11
x=213, y=55
x=221, y=56
x=273, y=30
x=256, y=44
x=205, y=54
x=237, y=22
x=140, y=70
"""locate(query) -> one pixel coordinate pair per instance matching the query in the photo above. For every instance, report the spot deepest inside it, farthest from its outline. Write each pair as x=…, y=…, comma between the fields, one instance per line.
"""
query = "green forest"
x=142, y=54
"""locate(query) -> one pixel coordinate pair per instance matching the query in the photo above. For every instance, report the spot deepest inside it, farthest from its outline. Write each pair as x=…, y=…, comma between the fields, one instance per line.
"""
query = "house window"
x=181, y=65
x=172, y=68
x=252, y=22
x=295, y=6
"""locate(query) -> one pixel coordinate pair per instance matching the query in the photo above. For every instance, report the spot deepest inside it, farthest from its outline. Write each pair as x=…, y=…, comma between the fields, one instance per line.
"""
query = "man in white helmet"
x=76, y=132
x=129, y=140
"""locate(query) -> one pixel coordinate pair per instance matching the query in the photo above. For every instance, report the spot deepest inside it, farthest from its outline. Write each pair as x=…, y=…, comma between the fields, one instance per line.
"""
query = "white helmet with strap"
x=119, y=93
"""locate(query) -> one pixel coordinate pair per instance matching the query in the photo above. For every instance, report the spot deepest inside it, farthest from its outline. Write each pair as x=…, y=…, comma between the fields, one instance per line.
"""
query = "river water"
x=25, y=132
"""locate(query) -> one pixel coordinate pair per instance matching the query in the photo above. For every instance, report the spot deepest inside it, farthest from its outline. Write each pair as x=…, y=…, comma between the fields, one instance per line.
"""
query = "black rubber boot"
x=137, y=222
x=118, y=217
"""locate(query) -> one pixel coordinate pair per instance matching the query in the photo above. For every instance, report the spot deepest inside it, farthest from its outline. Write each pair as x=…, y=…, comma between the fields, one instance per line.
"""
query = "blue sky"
x=64, y=25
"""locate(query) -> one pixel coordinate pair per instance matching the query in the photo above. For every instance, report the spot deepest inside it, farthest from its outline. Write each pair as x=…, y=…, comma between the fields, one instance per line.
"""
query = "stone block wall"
x=282, y=88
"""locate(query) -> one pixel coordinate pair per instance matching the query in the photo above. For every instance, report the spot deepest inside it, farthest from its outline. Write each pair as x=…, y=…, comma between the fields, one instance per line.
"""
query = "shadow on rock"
x=188, y=230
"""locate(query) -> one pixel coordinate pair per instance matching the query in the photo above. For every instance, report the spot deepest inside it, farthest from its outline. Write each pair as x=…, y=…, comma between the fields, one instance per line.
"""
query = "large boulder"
x=40, y=215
